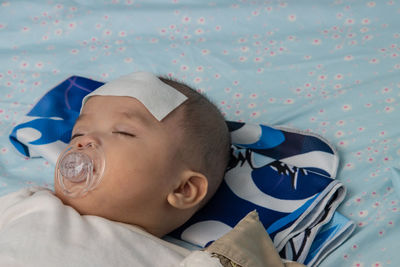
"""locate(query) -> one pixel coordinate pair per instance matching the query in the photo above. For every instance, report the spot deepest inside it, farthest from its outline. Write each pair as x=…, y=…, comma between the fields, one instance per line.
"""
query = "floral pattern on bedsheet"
x=329, y=67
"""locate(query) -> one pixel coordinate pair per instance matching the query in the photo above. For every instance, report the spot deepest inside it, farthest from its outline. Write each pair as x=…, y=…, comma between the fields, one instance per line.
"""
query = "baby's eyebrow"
x=136, y=116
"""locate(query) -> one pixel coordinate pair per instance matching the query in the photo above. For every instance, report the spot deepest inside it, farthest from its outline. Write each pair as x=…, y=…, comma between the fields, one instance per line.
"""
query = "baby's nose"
x=86, y=141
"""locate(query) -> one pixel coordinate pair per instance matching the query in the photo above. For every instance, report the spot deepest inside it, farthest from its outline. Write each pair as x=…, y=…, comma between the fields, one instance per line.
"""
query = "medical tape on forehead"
x=159, y=98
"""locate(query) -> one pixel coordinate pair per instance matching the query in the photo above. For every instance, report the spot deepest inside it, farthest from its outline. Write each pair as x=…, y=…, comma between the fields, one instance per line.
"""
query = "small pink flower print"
x=317, y=42
x=289, y=101
x=346, y=107
x=292, y=18
x=348, y=58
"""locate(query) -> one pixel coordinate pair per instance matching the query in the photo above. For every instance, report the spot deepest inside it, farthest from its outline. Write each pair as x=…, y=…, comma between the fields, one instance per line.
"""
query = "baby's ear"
x=190, y=192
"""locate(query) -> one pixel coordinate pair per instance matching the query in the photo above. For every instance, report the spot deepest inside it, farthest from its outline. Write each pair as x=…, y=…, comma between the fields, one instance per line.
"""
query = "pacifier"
x=80, y=169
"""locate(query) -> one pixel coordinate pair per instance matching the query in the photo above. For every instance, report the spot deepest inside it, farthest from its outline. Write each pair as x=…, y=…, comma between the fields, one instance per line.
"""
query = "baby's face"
x=141, y=156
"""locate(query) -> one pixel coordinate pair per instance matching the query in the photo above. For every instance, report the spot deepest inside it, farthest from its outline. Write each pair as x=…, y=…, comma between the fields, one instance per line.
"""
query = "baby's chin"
x=84, y=205
x=58, y=193
x=75, y=203
x=78, y=204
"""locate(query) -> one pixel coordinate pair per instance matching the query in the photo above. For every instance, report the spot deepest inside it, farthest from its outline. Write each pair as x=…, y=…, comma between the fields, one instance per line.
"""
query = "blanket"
x=329, y=67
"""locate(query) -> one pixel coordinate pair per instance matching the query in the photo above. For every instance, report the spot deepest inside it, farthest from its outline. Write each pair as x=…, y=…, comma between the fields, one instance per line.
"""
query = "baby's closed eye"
x=124, y=133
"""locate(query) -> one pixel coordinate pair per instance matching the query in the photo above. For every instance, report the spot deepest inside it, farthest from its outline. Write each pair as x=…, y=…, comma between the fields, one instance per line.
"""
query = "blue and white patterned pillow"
x=285, y=174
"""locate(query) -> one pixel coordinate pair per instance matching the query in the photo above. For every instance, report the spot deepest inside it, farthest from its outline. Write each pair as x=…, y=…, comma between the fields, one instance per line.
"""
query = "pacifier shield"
x=80, y=169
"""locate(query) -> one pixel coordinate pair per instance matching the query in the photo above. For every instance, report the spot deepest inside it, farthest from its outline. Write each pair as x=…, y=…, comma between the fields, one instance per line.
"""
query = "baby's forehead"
x=104, y=100
x=126, y=107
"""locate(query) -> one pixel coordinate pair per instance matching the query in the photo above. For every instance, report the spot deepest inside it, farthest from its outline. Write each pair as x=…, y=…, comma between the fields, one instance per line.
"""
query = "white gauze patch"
x=159, y=98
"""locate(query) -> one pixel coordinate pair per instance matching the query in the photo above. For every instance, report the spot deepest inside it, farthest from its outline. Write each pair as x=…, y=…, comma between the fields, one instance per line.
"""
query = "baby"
x=145, y=154
x=158, y=172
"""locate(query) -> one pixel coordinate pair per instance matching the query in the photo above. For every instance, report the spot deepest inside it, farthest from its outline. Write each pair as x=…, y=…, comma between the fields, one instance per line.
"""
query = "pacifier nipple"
x=80, y=169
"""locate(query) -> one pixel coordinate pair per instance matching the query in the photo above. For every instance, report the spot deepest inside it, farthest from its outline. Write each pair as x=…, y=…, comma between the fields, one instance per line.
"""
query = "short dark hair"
x=206, y=136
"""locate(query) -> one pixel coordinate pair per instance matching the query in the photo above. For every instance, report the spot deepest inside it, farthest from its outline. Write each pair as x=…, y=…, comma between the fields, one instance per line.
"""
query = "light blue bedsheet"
x=330, y=67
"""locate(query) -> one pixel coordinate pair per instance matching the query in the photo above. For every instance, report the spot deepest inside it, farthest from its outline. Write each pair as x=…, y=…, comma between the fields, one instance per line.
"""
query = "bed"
x=329, y=68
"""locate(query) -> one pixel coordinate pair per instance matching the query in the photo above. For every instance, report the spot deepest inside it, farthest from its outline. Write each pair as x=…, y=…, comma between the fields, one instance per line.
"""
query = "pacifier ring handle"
x=76, y=166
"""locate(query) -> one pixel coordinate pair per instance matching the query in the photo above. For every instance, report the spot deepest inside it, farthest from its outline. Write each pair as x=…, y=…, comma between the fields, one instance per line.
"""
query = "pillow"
x=284, y=174
x=293, y=202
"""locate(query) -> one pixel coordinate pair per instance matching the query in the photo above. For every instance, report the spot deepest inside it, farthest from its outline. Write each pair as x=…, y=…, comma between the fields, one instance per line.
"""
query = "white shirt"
x=37, y=229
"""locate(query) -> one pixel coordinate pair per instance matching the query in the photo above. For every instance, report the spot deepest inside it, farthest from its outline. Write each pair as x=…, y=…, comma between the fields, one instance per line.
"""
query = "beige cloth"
x=248, y=245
